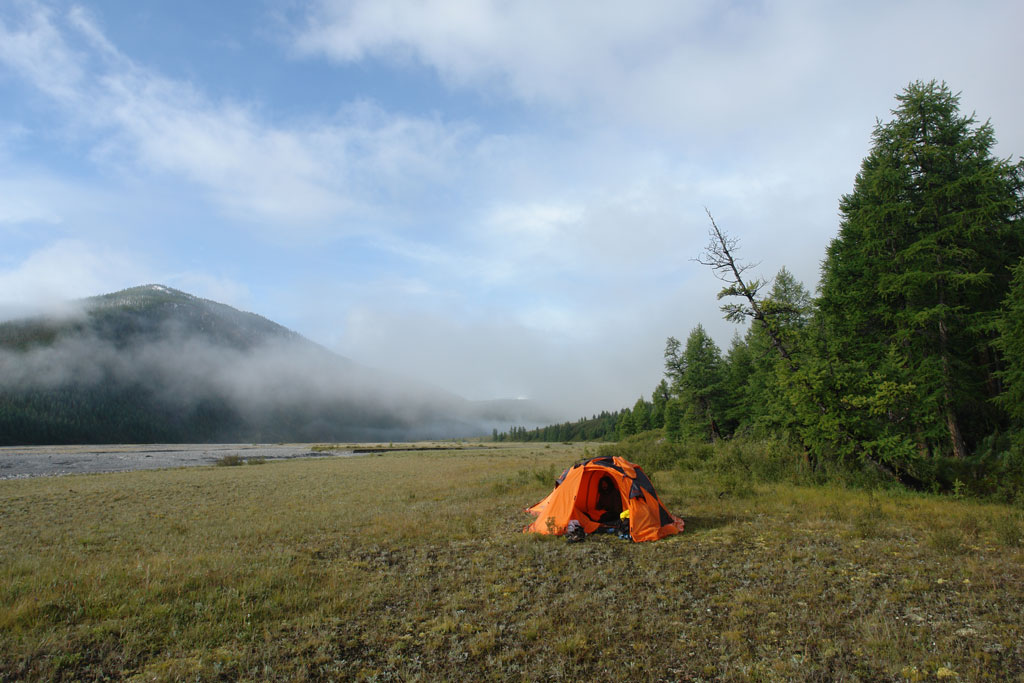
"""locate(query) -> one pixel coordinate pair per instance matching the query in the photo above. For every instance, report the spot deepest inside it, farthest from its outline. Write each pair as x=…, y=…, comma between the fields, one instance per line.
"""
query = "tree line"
x=601, y=427
x=910, y=357
x=908, y=360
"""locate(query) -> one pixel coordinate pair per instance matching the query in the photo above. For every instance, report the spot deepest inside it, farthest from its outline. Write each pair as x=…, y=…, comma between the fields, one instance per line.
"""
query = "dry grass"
x=409, y=566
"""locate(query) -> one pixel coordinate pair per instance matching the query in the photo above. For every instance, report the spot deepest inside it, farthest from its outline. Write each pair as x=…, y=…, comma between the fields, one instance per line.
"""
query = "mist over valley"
x=153, y=364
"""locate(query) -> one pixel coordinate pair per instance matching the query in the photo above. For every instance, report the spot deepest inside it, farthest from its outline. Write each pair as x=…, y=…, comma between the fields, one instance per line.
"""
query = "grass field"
x=410, y=566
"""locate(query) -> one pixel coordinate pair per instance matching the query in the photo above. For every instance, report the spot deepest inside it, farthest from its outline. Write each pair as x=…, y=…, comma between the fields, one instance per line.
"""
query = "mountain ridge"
x=155, y=364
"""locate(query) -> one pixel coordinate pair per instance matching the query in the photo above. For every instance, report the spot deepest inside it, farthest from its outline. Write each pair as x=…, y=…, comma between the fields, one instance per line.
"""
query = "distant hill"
x=153, y=364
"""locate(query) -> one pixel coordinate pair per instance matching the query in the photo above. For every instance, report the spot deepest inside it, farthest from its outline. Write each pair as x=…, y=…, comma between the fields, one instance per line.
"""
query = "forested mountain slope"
x=153, y=364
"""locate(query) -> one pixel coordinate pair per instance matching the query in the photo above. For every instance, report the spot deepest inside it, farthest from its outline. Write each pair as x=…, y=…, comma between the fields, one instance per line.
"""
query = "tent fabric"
x=577, y=496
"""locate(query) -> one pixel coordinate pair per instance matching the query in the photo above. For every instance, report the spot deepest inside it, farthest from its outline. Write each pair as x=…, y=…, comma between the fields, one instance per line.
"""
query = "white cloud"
x=39, y=204
x=535, y=49
x=693, y=69
x=624, y=227
x=38, y=51
x=25, y=201
x=63, y=271
x=760, y=112
x=534, y=221
x=321, y=172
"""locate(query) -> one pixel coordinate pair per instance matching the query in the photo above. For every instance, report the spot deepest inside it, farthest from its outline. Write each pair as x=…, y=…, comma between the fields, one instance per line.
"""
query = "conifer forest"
x=908, y=359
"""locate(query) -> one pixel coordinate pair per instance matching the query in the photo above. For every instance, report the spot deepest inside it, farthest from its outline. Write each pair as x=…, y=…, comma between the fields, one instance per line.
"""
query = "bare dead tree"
x=720, y=256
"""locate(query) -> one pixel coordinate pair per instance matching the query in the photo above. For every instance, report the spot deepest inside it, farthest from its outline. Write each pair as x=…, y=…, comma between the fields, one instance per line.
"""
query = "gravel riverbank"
x=39, y=461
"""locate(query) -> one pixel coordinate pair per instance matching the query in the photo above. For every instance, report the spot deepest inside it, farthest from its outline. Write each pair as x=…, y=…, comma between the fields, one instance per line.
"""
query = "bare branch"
x=720, y=256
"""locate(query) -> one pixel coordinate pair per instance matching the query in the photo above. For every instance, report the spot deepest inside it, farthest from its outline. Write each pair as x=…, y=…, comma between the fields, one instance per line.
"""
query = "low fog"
x=261, y=380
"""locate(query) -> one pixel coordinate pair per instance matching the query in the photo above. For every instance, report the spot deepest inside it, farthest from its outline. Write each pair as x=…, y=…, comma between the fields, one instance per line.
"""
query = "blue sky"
x=500, y=198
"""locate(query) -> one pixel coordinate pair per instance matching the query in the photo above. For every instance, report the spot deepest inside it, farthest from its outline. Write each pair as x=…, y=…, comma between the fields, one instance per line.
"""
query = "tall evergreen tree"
x=659, y=399
x=1011, y=343
x=778, y=385
x=739, y=395
x=641, y=415
x=911, y=286
x=675, y=364
x=625, y=425
x=674, y=419
x=697, y=375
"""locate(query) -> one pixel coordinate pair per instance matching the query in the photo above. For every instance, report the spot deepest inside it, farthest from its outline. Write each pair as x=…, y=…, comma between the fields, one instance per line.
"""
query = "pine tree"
x=674, y=419
x=659, y=399
x=624, y=425
x=1011, y=343
x=699, y=384
x=740, y=398
x=780, y=387
x=911, y=286
x=641, y=415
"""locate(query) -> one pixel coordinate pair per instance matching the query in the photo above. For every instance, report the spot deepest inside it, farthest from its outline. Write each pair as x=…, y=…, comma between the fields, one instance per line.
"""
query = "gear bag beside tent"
x=595, y=493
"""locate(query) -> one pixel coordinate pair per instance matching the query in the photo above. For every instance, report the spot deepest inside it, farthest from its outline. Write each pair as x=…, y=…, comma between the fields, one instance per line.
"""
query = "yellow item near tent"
x=624, y=515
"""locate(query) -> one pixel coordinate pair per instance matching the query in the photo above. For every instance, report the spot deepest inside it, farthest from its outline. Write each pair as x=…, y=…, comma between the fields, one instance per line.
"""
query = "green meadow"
x=411, y=566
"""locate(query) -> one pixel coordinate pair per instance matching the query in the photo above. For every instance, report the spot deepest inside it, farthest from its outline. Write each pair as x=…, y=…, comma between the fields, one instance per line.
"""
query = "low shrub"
x=743, y=459
x=1008, y=530
x=989, y=474
x=947, y=541
x=545, y=475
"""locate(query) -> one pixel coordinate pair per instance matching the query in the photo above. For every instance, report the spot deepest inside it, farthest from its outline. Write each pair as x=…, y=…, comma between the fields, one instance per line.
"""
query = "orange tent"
x=595, y=491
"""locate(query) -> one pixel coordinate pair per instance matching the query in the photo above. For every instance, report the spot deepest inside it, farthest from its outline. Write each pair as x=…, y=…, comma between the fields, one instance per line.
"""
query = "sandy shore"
x=40, y=461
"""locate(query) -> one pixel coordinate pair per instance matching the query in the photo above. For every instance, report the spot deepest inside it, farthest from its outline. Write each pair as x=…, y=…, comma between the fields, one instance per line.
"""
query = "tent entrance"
x=600, y=498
